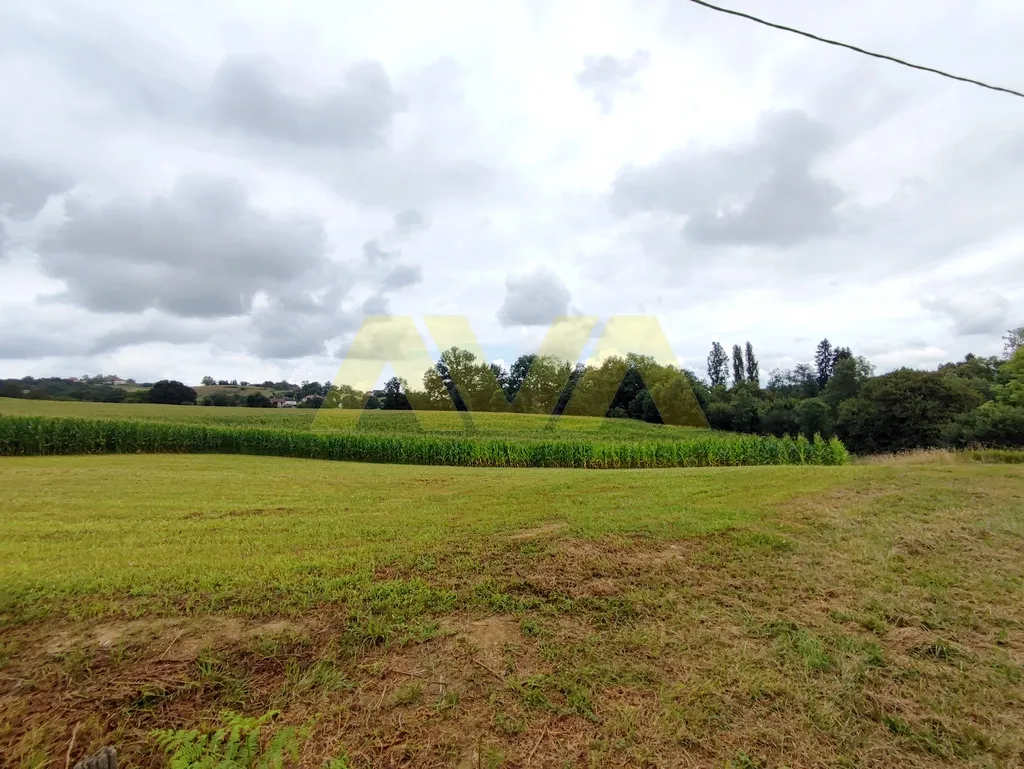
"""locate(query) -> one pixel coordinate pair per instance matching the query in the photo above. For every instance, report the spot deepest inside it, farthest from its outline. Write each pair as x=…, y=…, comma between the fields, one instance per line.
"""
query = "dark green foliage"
x=903, y=410
x=30, y=436
x=814, y=416
x=171, y=392
x=992, y=425
x=395, y=398
x=223, y=399
x=843, y=384
x=258, y=400
x=753, y=368
x=718, y=365
x=780, y=419
x=738, y=367
x=824, y=359
x=11, y=389
x=745, y=417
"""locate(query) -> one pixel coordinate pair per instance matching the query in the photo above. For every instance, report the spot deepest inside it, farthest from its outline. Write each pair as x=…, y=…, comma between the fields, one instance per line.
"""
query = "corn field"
x=38, y=436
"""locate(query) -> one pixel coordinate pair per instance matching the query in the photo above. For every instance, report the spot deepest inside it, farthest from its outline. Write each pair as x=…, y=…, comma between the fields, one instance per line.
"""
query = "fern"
x=236, y=744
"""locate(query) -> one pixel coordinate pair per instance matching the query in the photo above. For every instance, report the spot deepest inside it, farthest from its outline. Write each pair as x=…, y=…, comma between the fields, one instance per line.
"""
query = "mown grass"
x=258, y=532
x=32, y=436
x=863, y=615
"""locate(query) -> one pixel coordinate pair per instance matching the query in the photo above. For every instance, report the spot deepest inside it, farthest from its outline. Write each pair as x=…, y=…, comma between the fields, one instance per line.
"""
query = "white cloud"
x=376, y=158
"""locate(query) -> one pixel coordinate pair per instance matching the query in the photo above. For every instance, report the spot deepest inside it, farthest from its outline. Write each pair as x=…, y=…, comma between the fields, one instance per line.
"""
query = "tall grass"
x=35, y=436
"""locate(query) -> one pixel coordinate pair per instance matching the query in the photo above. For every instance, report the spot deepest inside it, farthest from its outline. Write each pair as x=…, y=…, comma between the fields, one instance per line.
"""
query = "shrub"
x=172, y=392
x=992, y=425
x=904, y=410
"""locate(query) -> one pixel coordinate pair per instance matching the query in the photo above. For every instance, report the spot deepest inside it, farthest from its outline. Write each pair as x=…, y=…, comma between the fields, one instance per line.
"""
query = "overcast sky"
x=228, y=187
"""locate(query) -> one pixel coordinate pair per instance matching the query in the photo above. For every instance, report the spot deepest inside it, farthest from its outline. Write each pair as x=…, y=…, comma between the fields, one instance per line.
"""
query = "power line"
x=731, y=12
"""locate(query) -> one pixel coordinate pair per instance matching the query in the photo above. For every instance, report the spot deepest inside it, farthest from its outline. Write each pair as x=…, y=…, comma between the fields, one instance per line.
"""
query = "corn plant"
x=57, y=435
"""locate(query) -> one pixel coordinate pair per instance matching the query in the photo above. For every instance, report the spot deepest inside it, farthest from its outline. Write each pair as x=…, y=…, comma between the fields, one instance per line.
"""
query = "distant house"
x=309, y=398
x=283, y=403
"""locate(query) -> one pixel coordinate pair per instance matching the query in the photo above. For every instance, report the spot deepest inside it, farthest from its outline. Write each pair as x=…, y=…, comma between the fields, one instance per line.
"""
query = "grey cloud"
x=408, y=222
x=287, y=334
x=25, y=188
x=607, y=76
x=402, y=276
x=376, y=305
x=375, y=254
x=201, y=251
x=297, y=323
x=761, y=193
x=22, y=342
x=534, y=299
x=161, y=329
x=978, y=312
x=245, y=97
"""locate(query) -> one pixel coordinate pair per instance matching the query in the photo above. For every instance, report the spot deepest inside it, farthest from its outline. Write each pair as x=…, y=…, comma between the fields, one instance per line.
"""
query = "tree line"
x=975, y=401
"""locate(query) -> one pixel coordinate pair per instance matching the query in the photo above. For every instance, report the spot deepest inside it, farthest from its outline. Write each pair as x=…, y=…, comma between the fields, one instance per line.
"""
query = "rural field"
x=365, y=614
x=440, y=423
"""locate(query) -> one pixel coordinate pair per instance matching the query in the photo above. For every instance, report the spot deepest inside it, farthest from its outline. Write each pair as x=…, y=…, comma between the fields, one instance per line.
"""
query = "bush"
x=814, y=416
x=780, y=419
x=171, y=392
x=258, y=400
x=11, y=389
x=904, y=410
x=992, y=425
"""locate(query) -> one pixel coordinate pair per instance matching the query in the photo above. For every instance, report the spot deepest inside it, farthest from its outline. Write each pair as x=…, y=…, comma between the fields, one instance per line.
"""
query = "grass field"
x=441, y=423
x=863, y=615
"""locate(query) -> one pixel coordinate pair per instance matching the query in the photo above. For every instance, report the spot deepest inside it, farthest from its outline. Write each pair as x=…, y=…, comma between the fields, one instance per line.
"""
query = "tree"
x=814, y=416
x=823, y=361
x=1013, y=341
x=208, y=381
x=752, y=366
x=904, y=409
x=372, y=402
x=745, y=417
x=258, y=400
x=844, y=384
x=171, y=391
x=1010, y=388
x=780, y=419
x=718, y=365
x=992, y=424
x=10, y=389
x=737, y=365
x=395, y=398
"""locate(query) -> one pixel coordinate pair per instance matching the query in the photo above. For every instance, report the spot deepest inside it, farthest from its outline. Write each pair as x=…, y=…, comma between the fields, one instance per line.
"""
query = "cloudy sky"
x=228, y=187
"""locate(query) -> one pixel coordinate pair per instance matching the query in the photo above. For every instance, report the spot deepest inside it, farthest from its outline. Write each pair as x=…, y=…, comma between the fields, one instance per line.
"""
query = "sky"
x=232, y=188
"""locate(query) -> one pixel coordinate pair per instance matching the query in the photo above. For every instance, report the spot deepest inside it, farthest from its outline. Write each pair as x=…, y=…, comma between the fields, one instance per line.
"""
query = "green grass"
x=32, y=436
x=430, y=423
x=842, y=616
x=262, y=531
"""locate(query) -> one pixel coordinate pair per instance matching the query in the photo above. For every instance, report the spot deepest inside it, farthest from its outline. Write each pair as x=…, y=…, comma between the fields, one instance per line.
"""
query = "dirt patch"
x=538, y=531
x=489, y=636
x=174, y=639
